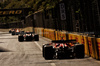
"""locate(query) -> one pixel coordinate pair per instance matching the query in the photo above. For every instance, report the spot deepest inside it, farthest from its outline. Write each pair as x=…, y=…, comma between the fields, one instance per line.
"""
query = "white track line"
x=38, y=46
x=52, y=64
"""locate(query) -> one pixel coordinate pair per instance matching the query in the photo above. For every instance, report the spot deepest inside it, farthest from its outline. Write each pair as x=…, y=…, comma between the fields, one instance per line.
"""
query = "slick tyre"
x=48, y=52
x=79, y=51
x=10, y=31
x=36, y=37
x=20, y=38
x=13, y=33
x=43, y=50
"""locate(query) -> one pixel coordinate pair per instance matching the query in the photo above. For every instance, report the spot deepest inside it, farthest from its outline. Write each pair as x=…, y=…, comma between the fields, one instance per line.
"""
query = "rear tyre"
x=79, y=51
x=9, y=31
x=20, y=38
x=48, y=52
x=43, y=50
x=13, y=33
x=36, y=37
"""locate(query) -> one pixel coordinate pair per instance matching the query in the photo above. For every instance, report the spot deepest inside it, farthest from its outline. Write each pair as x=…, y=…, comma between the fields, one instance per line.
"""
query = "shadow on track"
x=4, y=50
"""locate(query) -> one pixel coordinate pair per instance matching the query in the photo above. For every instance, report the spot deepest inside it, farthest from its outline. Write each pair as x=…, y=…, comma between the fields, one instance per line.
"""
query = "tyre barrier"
x=48, y=55
x=20, y=38
x=36, y=37
x=79, y=53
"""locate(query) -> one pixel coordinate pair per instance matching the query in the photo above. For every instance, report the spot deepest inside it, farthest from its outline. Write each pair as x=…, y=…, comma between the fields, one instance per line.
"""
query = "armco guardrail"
x=91, y=44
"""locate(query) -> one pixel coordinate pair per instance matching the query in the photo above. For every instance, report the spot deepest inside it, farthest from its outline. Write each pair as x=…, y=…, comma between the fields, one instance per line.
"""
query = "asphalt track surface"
x=15, y=53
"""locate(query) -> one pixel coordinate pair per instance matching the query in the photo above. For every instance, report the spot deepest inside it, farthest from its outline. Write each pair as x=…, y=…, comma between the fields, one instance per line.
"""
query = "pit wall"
x=91, y=44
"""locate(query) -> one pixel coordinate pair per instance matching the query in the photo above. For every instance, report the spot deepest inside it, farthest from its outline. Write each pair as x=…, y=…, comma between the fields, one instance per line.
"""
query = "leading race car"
x=61, y=49
x=11, y=30
x=14, y=31
x=28, y=36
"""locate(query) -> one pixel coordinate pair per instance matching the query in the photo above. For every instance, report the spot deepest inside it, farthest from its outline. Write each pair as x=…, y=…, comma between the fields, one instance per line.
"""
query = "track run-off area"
x=15, y=53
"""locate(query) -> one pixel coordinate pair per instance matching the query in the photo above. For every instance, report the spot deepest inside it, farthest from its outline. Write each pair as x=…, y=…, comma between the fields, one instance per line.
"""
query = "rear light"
x=17, y=30
x=61, y=45
x=66, y=45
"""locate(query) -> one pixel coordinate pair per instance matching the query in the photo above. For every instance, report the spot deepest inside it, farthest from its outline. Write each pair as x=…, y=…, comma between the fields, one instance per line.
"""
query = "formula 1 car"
x=28, y=36
x=14, y=31
x=11, y=30
x=62, y=49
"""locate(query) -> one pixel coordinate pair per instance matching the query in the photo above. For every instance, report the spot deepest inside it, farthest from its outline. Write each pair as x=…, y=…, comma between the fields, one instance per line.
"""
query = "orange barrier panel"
x=42, y=32
x=56, y=35
x=49, y=33
x=81, y=39
x=98, y=47
x=77, y=37
x=63, y=34
x=86, y=46
x=92, y=47
x=52, y=35
x=59, y=35
x=71, y=37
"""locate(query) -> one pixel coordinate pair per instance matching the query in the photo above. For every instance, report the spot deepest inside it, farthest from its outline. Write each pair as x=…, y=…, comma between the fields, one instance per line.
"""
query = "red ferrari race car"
x=14, y=31
x=62, y=49
x=28, y=36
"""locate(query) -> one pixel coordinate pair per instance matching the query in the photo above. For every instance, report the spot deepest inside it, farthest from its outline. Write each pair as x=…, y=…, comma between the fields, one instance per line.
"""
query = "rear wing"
x=63, y=41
